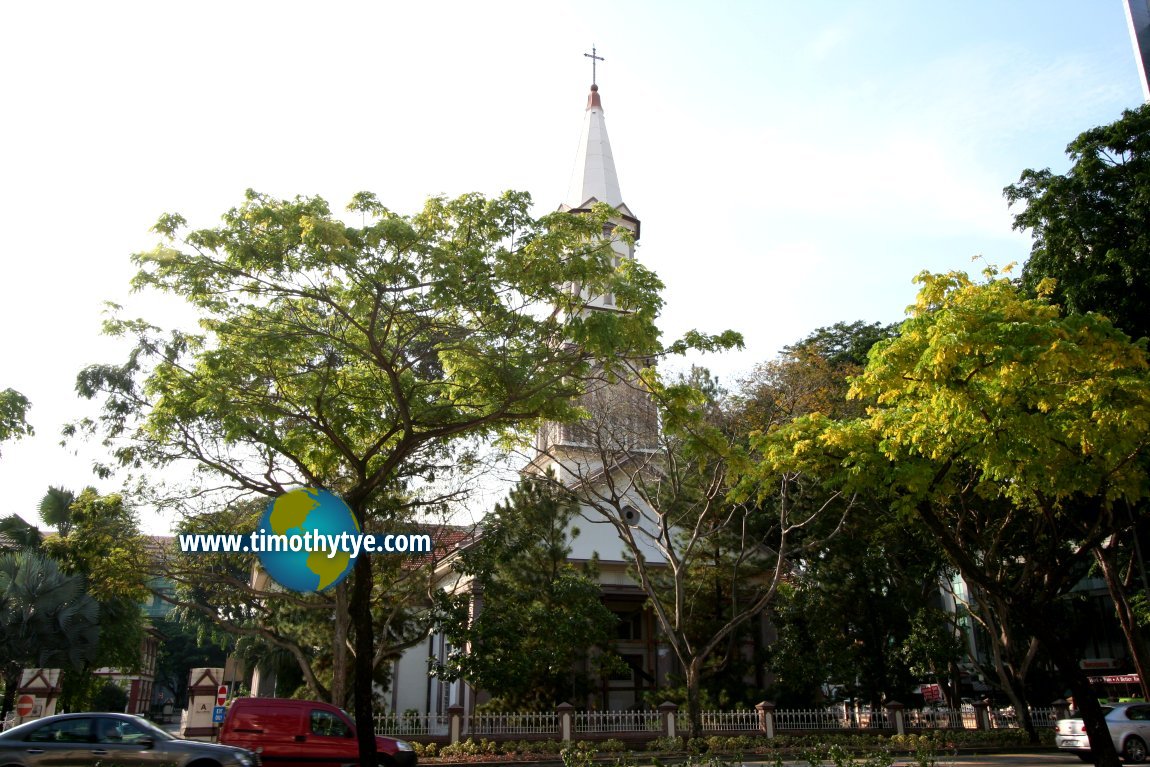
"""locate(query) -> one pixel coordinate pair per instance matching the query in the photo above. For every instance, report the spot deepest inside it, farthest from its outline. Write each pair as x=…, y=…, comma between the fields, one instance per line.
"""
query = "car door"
x=329, y=740
x=61, y=743
x=122, y=742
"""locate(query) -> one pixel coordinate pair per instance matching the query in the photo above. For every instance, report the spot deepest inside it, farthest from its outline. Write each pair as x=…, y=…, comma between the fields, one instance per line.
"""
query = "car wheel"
x=1134, y=751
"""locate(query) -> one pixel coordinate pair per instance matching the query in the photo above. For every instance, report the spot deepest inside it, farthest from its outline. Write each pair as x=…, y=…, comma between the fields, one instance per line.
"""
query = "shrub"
x=666, y=744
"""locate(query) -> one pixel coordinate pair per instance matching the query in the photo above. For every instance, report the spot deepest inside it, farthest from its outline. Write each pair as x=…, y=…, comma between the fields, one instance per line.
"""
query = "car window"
x=1138, y=713
x=77, y=730
x=328, y=724
x=120, y=731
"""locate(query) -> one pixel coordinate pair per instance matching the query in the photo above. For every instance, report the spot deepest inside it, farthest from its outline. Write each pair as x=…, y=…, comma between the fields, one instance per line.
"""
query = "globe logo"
x=304, y=516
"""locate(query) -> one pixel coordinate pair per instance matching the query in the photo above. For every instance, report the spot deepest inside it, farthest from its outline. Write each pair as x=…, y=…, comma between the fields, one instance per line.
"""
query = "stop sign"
x=24, y=705
x=222, y=695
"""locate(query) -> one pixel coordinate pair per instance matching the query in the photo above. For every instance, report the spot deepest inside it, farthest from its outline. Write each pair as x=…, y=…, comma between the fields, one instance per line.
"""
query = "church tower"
x=622, y=416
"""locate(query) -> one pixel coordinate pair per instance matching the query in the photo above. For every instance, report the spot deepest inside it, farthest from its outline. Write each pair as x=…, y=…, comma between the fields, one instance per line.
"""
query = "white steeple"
x=593, y=179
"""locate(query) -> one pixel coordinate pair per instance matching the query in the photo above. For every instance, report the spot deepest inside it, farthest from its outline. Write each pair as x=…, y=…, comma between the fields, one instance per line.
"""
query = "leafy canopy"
x=1091, y=225
x=334, y=355
x=14, y=408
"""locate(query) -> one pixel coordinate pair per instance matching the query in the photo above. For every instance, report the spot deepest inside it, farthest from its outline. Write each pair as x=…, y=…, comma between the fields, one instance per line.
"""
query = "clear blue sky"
x=793, y=164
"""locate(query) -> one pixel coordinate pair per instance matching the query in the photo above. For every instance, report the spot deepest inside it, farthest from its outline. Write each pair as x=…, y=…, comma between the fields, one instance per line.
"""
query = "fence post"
x=766, y=718
x=982, y=714
x=564, y=711
x=894, y=710
x=667, y=712
x=456, y=729
x=1061, y=709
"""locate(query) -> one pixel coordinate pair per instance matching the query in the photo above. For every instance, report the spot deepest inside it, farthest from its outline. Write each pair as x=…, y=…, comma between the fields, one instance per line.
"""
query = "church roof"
x=593, y=179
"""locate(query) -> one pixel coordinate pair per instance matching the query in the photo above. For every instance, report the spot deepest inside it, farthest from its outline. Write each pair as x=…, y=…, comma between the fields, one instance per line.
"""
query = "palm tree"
x=56, y=509
x=47, y=619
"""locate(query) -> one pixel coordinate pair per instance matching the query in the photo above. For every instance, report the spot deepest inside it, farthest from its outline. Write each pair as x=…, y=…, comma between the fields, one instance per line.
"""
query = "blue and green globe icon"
x=303, y=515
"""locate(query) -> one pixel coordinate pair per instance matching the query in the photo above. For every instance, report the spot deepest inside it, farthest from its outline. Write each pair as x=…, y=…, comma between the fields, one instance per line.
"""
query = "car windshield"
x=151, y=729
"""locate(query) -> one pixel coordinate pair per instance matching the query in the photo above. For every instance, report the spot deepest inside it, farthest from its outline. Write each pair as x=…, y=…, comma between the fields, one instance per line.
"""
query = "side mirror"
x=146, y=742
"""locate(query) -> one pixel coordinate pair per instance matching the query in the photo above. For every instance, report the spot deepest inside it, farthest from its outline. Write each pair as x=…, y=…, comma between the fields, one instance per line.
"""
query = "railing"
x=512, y=724
x=721, y=721
x=941, y=718
x=411, y=724
x=765, y=720
x=617, y=721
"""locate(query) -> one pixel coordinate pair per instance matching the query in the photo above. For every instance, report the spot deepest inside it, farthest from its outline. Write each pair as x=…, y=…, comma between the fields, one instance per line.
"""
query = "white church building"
x=570, y=450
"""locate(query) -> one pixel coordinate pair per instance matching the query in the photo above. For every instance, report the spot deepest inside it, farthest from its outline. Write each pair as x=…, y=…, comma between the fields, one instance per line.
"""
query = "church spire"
x=593, y=178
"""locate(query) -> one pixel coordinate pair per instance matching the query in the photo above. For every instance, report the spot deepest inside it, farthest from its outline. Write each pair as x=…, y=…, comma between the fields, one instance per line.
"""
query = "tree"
x=1091, y=225
x=538, y=617
x=850, y=603
x=46, y=619
x=104, y=546
x=708, y=556
x=1091, y=235
x=56, y=509
x=357, y=358
x=14, y=408
x=1012, y=433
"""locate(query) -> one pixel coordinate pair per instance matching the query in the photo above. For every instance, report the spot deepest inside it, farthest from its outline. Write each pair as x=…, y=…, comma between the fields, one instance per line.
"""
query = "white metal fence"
x=412, y=724
x=745, y=720
x=616, y=721
x=609, y=723
x=511, y=724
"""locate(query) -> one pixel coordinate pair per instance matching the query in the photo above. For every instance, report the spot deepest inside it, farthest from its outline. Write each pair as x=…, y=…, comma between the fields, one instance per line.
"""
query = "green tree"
x=47, y=619
x=105, y=547
x=1091, y=225
x=1012, y=433
x=56, y=509
x=1091, y=235
x=708, y=559
x=14, y=408
x=357, y=358
x=540, y=618
x=849, y=604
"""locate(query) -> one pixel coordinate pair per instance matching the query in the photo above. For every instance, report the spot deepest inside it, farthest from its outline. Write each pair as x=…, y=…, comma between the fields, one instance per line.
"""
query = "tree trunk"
x=340, y=659
x=364, y=653
x=694, y=708
x=1085, y=699
x=1125, y=617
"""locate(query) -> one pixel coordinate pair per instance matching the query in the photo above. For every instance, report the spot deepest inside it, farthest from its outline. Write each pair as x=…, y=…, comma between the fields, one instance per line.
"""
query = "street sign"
x=24, y=705
x=218, y=714
x=222, y=695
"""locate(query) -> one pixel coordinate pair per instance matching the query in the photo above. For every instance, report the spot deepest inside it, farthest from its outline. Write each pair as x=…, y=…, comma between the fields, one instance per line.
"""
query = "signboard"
x=218, y=714
x=931, y=693
x=222, y=695
x=24, y=705
x=1116, y=679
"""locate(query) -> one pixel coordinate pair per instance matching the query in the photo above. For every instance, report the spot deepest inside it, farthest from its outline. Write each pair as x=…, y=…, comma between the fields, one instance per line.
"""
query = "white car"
x=1129, y=725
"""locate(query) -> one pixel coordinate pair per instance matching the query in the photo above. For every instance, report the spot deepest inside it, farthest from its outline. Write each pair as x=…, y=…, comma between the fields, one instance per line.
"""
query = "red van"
x=303, y=733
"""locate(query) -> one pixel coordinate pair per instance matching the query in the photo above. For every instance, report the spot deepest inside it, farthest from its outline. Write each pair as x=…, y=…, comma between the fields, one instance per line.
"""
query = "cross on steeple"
x=594, y=59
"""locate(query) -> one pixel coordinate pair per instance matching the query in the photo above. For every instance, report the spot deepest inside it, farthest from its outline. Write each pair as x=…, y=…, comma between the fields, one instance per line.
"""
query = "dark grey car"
x=79, y=740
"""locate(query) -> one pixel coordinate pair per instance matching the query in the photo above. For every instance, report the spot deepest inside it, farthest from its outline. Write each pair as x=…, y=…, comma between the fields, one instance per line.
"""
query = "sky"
x=793, y=164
